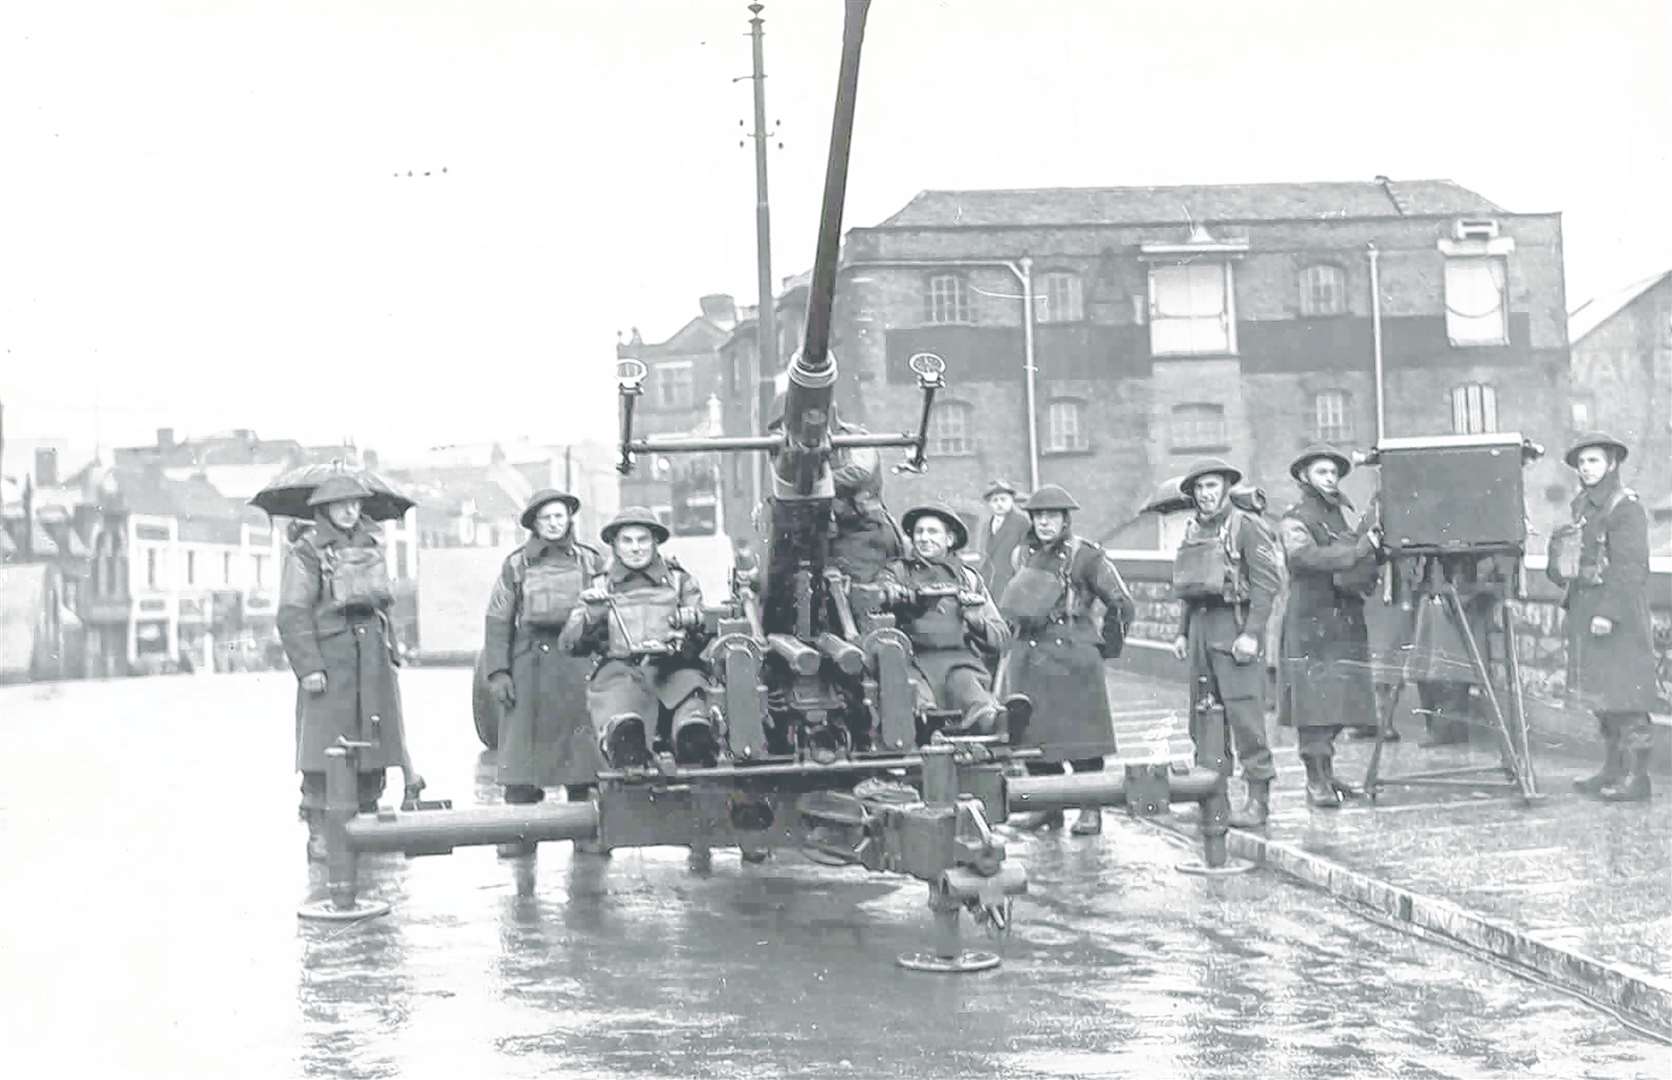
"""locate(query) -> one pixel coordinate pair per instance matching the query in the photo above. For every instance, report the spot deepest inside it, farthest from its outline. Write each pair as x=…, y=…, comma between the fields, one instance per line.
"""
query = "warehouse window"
x=1332, y=418
x=1061, y=298
x=1065, y=430
x=1474, y=409
x=1323, y=290
x=949, y=430
x=1476, y=311
x=1198, y=426
x=948, y=299
x=1191, y=311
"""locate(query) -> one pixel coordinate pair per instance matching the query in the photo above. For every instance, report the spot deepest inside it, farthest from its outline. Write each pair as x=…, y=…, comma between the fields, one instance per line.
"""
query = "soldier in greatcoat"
x=545, y=737
x=1326, y=679
x=334, y=598
x=949, y=634
x=999, y=534
x=642, y=617
x=1227, y=578
x=1057, y=649
x=1601, y=558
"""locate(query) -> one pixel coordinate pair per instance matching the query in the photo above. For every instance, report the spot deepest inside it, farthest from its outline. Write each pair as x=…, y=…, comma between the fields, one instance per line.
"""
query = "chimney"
x=46, y=466
x=165, y=438
x=720, y=309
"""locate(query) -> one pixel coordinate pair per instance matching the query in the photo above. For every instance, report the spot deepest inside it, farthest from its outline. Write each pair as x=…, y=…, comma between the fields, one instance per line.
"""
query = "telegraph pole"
x=766, y=322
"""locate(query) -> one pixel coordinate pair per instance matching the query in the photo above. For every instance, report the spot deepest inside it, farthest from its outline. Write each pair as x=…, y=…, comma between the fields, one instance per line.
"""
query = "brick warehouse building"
x=1169, y=323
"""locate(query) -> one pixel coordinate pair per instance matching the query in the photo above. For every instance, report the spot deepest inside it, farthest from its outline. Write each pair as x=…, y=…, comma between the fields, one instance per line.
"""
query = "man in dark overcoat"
x=1602, y=559
x=1057, y=649
x=1226, y=578
x=545, y=736
x=949, y=671
x=334, y=598
x=999, y=534
x=1326, y=679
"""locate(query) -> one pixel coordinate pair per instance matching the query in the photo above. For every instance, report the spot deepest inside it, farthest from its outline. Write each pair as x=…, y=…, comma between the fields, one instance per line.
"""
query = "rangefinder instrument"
x=1453, y=519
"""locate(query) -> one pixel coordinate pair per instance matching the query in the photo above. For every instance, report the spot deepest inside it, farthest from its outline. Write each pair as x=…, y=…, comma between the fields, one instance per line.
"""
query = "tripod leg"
x=1371, y=784
x=1485, y=676
x=1518, y=705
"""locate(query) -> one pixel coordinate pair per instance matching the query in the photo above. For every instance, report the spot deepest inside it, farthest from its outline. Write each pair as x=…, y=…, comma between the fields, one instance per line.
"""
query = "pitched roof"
x=1184, y=204
x=147, y=491
x=1599, y=309
x=442, y=491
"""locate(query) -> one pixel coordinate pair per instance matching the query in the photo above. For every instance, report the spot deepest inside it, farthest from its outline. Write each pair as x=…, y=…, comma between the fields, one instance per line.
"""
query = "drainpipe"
x=1376, y=339
x=1022, y=269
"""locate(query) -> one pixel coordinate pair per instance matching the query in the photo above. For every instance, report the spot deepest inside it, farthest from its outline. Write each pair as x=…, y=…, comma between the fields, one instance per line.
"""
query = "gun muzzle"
x=802, y=659
x=848, y=658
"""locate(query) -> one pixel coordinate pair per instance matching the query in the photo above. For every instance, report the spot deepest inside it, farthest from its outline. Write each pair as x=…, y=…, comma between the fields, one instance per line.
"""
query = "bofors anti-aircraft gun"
x=822, y=745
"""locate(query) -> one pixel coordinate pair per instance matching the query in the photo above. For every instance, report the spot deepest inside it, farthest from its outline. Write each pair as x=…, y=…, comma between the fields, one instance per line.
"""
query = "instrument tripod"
x=1446, y=647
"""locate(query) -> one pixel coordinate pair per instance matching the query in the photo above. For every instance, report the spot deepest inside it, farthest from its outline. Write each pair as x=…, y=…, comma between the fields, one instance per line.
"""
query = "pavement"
x=1574, y=890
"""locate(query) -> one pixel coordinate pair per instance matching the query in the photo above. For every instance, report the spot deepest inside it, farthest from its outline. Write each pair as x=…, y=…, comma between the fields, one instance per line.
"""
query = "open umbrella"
x=1168, y=499
x=287, y=494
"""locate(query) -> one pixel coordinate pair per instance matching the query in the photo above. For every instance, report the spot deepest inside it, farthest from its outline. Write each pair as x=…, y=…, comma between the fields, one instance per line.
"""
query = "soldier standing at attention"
x=1057, y=651
x=1326, y=644
x=1226, y=574
x=545, y=737
x=1602, y=559
x=334, y=598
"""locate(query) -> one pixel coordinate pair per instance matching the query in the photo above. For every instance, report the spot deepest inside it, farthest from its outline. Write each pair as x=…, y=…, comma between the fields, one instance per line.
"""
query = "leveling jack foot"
x=1215, y=861
x=968, y=960
x=1197, y=868
x=328, y=911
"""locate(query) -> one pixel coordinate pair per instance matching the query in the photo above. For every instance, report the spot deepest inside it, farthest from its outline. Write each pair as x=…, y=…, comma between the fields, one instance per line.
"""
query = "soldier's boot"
x=1368, y=731
x=1320, y=793
x=623, y=744
x=519, y=795
x=316, y=834
x=1018, y=713
x=1035, y=819
x=1634, y=785
x=415, y=786
x=1253, y=812
x=1613, y=767
x=754, y=854
x=694, y=743
x=1343, y=790
x=1089, y=822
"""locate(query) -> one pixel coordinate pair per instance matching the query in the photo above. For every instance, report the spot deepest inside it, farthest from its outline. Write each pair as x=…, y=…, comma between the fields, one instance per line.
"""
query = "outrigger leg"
x=342, y=802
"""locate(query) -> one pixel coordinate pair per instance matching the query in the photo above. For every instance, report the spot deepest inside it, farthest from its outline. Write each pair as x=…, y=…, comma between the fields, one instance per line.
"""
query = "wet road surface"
x=154, y=864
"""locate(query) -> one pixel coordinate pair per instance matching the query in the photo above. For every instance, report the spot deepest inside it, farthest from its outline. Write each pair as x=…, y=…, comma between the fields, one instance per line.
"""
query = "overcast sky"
x=202, y=226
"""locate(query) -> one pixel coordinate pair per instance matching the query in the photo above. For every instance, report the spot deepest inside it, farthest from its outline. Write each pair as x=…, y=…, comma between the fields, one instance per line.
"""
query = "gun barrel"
x=848, y=657
x=802, y=659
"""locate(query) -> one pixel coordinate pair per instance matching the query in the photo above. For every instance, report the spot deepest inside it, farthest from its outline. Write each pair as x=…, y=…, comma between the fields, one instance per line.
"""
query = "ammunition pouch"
x=1032, y=594
x=1203, y=570
x=357, y=579
x=940, y=627
x=1567, y=544
x=549, y=593
x=639, y=620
